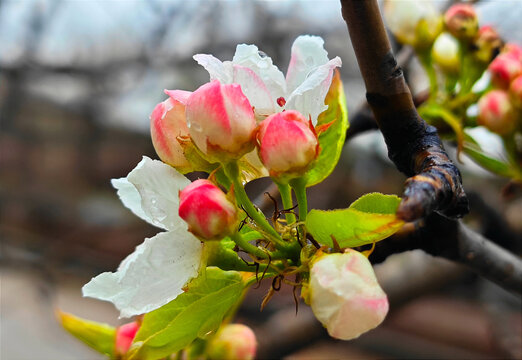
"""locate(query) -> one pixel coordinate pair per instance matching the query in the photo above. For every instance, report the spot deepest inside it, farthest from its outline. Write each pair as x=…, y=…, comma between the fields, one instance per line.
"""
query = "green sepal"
x=195, y=158
x=222, y=255
x=98, y=336
x=369, y=219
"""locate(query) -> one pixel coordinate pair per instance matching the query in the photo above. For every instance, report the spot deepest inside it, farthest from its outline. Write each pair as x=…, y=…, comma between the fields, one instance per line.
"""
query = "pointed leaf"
x=192, y=314
x=498, y=167
x=98, y=336
x=331, y=140
x=369, y=219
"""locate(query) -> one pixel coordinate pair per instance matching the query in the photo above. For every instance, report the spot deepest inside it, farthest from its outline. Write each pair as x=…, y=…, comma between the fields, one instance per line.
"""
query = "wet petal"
x=151, y=192
x=217, y=69
x=249, y=56
x=153, y=275
x=307, y=54
x=308, y=97
x=255, y=90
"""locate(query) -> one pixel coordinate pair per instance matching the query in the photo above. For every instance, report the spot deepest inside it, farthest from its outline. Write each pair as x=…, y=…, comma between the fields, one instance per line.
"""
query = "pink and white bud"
x=488, y=44
x=221, y=121
x=496, y=112
x=504, y=69
x=287, y=143
x=513, y=50
x=207, y=210
x=461, y=21
x=233, y=341
x=124, y=336
x=167, y=123
x=445, y=53
x=345, y=296
x=515, y=90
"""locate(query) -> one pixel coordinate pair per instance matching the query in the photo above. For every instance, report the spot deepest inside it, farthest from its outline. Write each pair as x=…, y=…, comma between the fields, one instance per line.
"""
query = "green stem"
x=427, y=64
x=232, y=171
x=299, y=186
x=248, y=247
x=286, y=198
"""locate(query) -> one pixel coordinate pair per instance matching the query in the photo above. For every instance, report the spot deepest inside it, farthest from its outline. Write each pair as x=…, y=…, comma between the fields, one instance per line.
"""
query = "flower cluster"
x=249, y=115
x=459, y=55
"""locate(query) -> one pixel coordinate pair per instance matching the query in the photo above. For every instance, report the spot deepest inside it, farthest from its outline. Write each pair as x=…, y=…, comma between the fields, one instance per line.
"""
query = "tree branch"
x=435, y=183
x=451, y=239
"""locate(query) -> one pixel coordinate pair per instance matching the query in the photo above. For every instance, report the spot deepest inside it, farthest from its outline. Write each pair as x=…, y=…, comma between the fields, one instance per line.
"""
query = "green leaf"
x=475, y=152
x=369, y=219
x=98, y=336
x=192, y=314
x=331, y=140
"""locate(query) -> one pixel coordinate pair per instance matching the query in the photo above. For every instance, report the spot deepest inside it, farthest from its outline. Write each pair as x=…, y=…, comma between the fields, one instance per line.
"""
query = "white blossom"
x=156, y=272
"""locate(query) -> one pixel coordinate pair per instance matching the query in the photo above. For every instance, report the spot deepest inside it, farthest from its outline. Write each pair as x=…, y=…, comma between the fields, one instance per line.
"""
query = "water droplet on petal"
x=262, y=54
x=310, y=61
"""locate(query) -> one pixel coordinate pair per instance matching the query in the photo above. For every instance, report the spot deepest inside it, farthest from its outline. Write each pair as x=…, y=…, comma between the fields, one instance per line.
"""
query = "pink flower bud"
x=504, y=69
x=287, y=143
x=461, y=21
x=221, y=121
x=124, y=336
x=345, y=296
x=496, y=112
x=515, y=90
x=488, y=44
x=233, y=341
x=513, y=50
x=167, y=123
x=207, y=210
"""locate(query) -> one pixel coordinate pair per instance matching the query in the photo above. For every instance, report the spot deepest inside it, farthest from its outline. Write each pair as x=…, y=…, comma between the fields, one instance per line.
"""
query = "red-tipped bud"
x=124, y=336
x=233, y=341
x=513, y=50
x=504, y=69
x=207, y=210
x=287, y=143
x=167, y=123
x=488, y=44
x=221, y=121
x=461, y=21
x=496, y=112
x=515, y=90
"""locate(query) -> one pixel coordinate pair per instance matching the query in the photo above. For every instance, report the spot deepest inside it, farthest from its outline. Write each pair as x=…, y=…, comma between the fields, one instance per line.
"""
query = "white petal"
x=153, y=275
x=307, y=54
x=250, y=57
x=217, y=69
x=151, y=191
x=255, y=90
x=308, y=98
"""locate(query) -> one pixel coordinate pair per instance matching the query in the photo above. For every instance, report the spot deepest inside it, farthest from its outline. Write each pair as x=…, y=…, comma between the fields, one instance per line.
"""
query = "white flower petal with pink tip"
x=304, y=88
x=250, y=57
x=151, y=192
x=345, y=296
x=153, y=275
x=309, y=96
x=307, y=54
x=218, y=70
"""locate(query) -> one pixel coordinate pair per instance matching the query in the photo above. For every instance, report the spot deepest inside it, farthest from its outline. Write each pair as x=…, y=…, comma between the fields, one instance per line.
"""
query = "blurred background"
x=78, y=80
